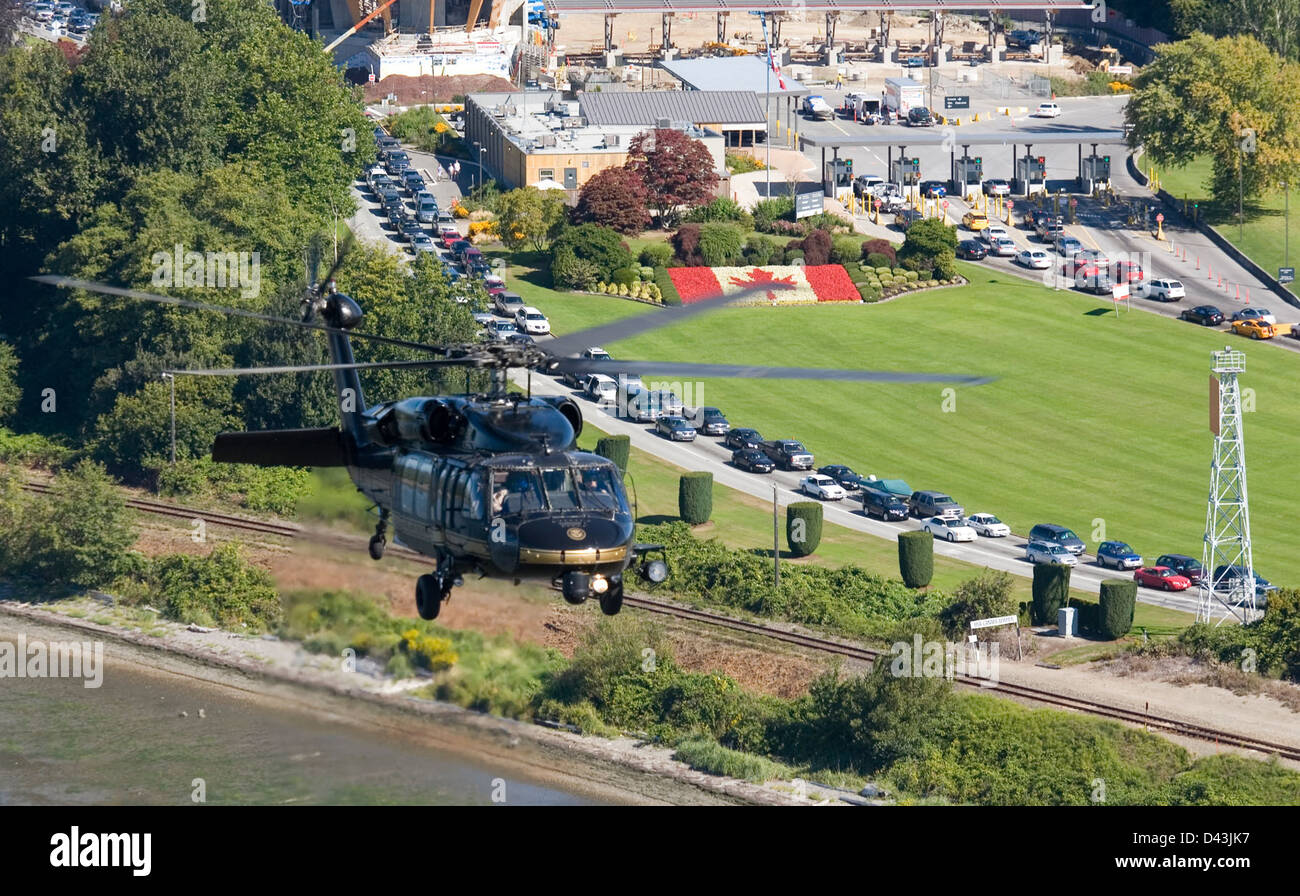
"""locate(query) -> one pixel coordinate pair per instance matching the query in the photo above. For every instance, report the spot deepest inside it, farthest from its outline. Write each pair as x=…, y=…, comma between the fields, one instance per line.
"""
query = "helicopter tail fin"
x=282, y=448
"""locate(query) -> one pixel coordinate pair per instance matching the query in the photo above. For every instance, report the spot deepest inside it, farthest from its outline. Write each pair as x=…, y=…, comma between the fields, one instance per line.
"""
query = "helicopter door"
x=438, y=500
x=421, y=503
x=457, y=516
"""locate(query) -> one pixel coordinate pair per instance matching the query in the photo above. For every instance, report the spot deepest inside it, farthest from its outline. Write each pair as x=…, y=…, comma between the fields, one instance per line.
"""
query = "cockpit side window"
x=515, y=491
x=599, y=490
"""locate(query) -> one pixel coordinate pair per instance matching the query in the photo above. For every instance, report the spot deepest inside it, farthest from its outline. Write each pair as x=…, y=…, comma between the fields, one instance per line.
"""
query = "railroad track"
x=799, y=639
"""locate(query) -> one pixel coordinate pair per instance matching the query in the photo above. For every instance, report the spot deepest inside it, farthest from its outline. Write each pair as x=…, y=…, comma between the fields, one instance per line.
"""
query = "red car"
x=1161, y=577
x=1128, y=272
x=448, y=235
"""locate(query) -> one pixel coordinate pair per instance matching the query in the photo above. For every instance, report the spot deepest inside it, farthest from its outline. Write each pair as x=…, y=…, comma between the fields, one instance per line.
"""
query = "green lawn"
x=1263, y=237
x=1094, y=420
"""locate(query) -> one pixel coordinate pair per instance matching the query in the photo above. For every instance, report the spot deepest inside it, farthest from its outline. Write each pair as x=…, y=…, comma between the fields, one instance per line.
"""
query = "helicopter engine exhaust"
x=427, y=419
x=569, y=408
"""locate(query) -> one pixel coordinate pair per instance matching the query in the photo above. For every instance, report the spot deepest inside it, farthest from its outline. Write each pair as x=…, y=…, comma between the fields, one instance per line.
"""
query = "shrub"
x=32, y=450
x=988, y=594
x=667, y=292
x=768, y=211
x=695, y=498
x=645, y=272
x=743, y=163
x=870, y=292
x=762, y=250
x=1117, y=604
x=816, y=247
x=720, y=245
x=845, y=250
x=220, y=589
x=803, y=527
x=793, y=255
x=1051, y=591
x=570, y=272
x=600, y=246
x=626, y=276
x=945, y=267
x=916, y=558
x=686, y=243
x=615, y=448
x=722, y=209
x=879, y=247
x=925, y=242
x=657, y=255
x=876, y=260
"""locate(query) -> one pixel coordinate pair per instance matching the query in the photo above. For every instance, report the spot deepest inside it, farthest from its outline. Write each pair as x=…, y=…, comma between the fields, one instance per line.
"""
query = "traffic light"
x=1103, y=168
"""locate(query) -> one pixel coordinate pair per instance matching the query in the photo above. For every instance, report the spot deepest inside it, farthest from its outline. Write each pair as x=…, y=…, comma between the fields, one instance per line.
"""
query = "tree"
x=617, y=198
x=916, y=558
x=985, y=596
x=136, y=434
x=695, y=498
x=600, y=246
x=1274, y=23
x=1204, y=96
x=678, y=172
x=9, y=391
x=615, y=448
x=529, y=217
x=721, y=244
x=927, y=240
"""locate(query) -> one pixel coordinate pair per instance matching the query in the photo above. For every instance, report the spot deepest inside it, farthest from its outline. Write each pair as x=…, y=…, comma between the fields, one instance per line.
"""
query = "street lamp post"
x=1286, y=231
x=171, y=382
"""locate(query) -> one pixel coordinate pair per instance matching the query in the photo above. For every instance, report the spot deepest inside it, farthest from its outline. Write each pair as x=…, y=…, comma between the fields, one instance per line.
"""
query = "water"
x=126, y=743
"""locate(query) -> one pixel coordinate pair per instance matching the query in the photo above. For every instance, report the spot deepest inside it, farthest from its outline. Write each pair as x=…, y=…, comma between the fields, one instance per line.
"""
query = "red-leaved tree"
x=678, y=172
x=615, y=197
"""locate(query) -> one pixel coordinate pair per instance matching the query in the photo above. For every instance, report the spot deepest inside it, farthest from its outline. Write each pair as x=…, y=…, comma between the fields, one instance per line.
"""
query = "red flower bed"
x=831, y=283
x=694, y=284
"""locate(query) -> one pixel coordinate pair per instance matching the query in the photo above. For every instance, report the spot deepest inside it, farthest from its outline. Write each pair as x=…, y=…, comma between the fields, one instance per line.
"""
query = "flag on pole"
x=771, y=60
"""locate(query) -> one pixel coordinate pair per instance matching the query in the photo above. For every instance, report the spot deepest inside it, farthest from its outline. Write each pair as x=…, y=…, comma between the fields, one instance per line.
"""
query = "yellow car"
x=974, y=221
x=1254, y=328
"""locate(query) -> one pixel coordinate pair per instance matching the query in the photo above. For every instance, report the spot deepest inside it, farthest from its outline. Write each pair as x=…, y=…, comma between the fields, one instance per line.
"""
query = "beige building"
x=527, y=139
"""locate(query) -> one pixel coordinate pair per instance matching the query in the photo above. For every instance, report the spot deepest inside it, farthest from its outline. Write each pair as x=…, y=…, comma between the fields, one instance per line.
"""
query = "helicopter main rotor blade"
x=91, y=286
x=312, y=368
x=705, y=371
x=645, y=323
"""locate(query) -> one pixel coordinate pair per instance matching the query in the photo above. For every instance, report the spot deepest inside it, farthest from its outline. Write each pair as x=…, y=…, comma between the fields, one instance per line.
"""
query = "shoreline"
x=622, y=770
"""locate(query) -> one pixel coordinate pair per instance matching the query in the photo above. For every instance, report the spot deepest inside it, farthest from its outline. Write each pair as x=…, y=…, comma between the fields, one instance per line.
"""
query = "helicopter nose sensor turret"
x=342, y=311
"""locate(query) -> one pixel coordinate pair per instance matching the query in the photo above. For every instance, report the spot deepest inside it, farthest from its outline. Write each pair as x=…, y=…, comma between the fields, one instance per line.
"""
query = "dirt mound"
x=414, y=89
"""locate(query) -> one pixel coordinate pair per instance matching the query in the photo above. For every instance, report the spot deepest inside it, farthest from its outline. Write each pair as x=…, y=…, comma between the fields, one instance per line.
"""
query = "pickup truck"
x=788, y=454
x=817, y=107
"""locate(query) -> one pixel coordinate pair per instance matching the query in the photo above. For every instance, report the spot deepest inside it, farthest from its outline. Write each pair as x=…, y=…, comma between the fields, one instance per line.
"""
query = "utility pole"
x=171, y=381
x=776, y=545
x=1286, y=232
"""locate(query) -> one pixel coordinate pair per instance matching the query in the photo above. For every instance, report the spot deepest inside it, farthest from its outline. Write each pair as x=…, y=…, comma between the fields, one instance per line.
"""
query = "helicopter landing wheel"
x=377, y=545
x=612, y=600
x=428, y=597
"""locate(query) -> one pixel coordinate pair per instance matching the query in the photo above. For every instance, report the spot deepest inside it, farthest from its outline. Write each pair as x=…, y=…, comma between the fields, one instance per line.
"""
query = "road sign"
x=1160, y=217
x=956, y=102
x=1119, y=292
x=806, y=204
x=1286, y=275
x=994, y=620
x=945, y=203
x=1009, y=204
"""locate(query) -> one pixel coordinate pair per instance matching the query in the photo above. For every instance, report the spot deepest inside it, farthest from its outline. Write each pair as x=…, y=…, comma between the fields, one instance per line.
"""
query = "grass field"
x=1263, y=237
x=1096, y=422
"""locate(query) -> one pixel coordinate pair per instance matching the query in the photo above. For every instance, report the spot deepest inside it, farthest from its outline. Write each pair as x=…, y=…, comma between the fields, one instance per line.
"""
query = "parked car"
x=426, y=210
x=865, y=184
x=974, y=221
x=498, y=330
x=949, y=528
x=935, y=189
x=410, y=228
x=412, y=181
x=1068, y=247
x=1167, y=291
x=397, y=163
x=420, y=243
x=997, y=186
x=1188, y=567
x=1050, y=231
x=709, y=421
x=448, y=236
x=971, y=249
x=1036, y=259
x=905, y=218
x=1161, y=577
x=643, y=405
x=845, y=476
x=988, y=525
x=822, y=487
x=483, y=318
x=531, y=321
x=675, y=429
x=1053, y=534
x=1226, y=577
x=1047, y=552
x=1254, y=314
x=743, y=438
x=1254, y=328
x=1205, y=315
x=920, y=117
x=883, y=504
x=1047, y=110
x=1117, y=555
x=926, y=504
x=387, y=192
x=788, y=454
x=753, y=460
x=508, y=304
x=993, y=232
x=600, y=387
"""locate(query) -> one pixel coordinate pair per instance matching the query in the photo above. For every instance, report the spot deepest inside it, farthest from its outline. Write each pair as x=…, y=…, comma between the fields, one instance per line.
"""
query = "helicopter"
x=489, y=483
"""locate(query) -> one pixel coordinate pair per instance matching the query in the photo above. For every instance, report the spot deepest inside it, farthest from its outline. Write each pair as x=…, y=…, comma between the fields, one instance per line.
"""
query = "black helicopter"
x=489, y=483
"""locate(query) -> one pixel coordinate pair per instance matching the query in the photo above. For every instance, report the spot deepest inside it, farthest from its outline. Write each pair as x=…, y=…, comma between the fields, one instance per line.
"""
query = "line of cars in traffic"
x=61, y=17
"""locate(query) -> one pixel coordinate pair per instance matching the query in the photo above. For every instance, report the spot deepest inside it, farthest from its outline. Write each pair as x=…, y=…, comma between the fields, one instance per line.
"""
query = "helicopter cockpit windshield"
x=589, y=488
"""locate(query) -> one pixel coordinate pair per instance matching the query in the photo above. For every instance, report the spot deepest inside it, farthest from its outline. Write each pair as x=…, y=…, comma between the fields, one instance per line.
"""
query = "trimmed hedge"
x=695, y=498
x=657, y=255
x=809, y=515
x=1117, y=603
x=1051, y=591
x=617, y=449
x=916, y=558
x=666, y=288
